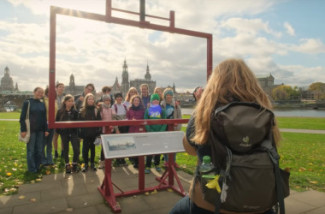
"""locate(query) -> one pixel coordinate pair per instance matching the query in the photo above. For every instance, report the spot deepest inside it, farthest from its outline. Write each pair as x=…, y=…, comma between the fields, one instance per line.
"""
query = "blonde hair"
x=161, y=95
x=231, y=80
x=128, y=96
x=85, y=104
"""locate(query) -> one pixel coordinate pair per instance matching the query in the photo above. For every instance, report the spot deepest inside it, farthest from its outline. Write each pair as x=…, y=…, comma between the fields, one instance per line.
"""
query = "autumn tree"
x=286, y=92
x=318, y=89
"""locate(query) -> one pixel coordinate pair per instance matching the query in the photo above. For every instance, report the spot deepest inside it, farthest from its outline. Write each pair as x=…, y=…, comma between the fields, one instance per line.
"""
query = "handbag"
x=27, y=136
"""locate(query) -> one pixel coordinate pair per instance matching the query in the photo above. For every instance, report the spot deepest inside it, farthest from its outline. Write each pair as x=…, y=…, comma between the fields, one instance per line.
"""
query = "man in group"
x=59, y=89
x=80, y=98
x=145, y=96
x=197, y=93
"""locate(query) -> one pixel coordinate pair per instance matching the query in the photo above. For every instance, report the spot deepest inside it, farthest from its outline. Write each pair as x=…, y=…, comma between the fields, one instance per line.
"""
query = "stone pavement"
x=77, y=193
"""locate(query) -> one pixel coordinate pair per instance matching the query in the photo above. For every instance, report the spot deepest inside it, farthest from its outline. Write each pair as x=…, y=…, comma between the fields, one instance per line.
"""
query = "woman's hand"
x=47, y=134
x=23, y=134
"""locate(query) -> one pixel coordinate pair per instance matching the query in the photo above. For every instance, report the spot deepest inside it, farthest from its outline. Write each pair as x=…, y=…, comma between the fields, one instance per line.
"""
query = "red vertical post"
x=108, y=8
x=52, y=66
x=209, y=56
x=172, y=18
x=141, y=180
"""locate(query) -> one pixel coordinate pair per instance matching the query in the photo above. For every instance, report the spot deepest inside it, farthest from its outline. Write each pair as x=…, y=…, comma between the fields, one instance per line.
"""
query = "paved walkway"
x=77, y=193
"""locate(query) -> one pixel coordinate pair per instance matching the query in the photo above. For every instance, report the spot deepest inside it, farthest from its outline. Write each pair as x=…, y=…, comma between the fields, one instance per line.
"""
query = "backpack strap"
x=274, y=156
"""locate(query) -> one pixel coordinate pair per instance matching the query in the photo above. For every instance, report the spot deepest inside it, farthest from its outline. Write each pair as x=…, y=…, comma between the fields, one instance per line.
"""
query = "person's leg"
x=183, y=206
x=76, y=148
x=65, y=141
x=39, y=148
x=30, y=147
x=85, y=151
x=49, y=156
x=55, y=144
x=44, y=157
x=92, y=154
x=157, y=160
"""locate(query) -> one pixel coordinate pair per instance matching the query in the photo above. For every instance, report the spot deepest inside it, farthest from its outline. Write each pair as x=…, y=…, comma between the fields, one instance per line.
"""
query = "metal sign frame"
x=142, y=23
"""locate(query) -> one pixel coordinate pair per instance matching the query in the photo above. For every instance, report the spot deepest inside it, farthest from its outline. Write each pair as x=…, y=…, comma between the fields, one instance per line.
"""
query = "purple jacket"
x=135, y=115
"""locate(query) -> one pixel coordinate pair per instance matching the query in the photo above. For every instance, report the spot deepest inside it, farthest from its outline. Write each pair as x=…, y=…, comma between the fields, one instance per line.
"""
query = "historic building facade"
x=7, y=84
x=267, y=84
x=126, y=83
x=72, y=88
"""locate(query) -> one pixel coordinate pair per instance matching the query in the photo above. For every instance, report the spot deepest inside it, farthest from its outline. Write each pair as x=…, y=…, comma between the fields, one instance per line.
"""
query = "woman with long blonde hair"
x=231, y=80
x=131, y=92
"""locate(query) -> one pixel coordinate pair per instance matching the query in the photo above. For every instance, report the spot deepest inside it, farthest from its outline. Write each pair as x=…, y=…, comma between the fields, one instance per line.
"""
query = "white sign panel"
x=139, y=144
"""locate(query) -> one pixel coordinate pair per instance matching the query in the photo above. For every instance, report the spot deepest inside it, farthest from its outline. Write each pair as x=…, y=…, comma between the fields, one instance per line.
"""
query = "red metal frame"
x=167, y=179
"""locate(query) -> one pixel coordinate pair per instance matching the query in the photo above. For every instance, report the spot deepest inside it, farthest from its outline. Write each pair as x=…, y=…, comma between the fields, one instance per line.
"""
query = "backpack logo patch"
x=245, y=142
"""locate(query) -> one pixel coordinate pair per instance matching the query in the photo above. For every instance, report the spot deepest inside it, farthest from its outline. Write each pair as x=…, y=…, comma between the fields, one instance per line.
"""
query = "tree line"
x=315, y=91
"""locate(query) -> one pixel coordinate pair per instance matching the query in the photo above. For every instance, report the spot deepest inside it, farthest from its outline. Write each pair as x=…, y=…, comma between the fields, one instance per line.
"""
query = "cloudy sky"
x=284, y=38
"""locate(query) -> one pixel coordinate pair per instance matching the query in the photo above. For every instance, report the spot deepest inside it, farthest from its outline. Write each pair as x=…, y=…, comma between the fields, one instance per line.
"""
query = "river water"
x=283, y=112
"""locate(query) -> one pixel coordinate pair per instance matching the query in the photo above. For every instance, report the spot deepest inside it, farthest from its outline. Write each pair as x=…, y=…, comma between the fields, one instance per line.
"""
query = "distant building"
x=72, y=88
x=7, y=84
x=267, y=84
x=126, y=84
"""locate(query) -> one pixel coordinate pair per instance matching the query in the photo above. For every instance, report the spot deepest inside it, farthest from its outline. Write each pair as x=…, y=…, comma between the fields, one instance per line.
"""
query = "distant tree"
x=286, y=92
x=318, y=89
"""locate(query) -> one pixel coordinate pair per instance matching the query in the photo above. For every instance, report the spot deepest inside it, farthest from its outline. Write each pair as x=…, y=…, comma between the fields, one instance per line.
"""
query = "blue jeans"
x=34, y=151
x=185, y=206
x=48, y=159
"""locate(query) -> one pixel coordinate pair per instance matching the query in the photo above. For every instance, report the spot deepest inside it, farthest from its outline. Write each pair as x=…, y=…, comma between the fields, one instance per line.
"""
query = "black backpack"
x=245, y=161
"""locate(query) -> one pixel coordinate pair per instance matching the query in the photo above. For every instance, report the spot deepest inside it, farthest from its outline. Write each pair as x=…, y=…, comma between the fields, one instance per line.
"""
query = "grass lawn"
x=302, y=153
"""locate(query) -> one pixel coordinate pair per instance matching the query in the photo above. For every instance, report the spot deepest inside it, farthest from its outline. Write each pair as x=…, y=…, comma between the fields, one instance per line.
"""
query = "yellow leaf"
x=301, y=169
x=33, y=200
x=8, y=174
x=47, y=172
x=313, y=182
x=21, y=197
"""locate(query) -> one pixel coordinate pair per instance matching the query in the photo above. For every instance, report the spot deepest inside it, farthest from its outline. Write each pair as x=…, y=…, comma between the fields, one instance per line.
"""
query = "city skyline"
x=282, y=38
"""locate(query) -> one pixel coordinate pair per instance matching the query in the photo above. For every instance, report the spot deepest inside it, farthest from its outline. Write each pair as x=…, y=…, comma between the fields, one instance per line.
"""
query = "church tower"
x=72, y=85
x=125, y=79
x=7, y=84
x=147, y=76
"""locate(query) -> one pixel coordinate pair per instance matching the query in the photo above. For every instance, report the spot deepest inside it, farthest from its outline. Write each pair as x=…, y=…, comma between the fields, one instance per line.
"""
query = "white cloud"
x=289, y=28
x=310, y=46
x=94, y=51
x=249, y=26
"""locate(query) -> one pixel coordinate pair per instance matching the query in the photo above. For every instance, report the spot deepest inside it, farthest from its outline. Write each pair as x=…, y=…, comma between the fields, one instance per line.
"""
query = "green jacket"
x=155, y=113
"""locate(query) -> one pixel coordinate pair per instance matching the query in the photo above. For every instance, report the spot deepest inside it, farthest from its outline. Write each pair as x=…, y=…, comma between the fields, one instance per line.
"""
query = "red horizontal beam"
x=136, y=13
x=109, y=19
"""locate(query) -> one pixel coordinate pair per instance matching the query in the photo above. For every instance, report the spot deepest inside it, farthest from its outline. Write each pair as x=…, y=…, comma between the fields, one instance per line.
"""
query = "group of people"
x=136, y=106
x=231, y=80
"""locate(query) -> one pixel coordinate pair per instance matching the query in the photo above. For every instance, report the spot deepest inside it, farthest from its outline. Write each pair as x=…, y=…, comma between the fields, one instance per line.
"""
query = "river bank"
x=284, y=112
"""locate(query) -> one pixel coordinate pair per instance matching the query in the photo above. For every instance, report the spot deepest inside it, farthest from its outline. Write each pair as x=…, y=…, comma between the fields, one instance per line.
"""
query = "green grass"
x=304, y=155
x=13, y=164
x=9, y=115
x=301, y=123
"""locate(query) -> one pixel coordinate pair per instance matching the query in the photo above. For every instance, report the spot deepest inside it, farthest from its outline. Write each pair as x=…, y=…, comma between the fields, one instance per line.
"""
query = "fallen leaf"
x=313, y=182
x=8, y=174
x=32, y=200
x=21, y=197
